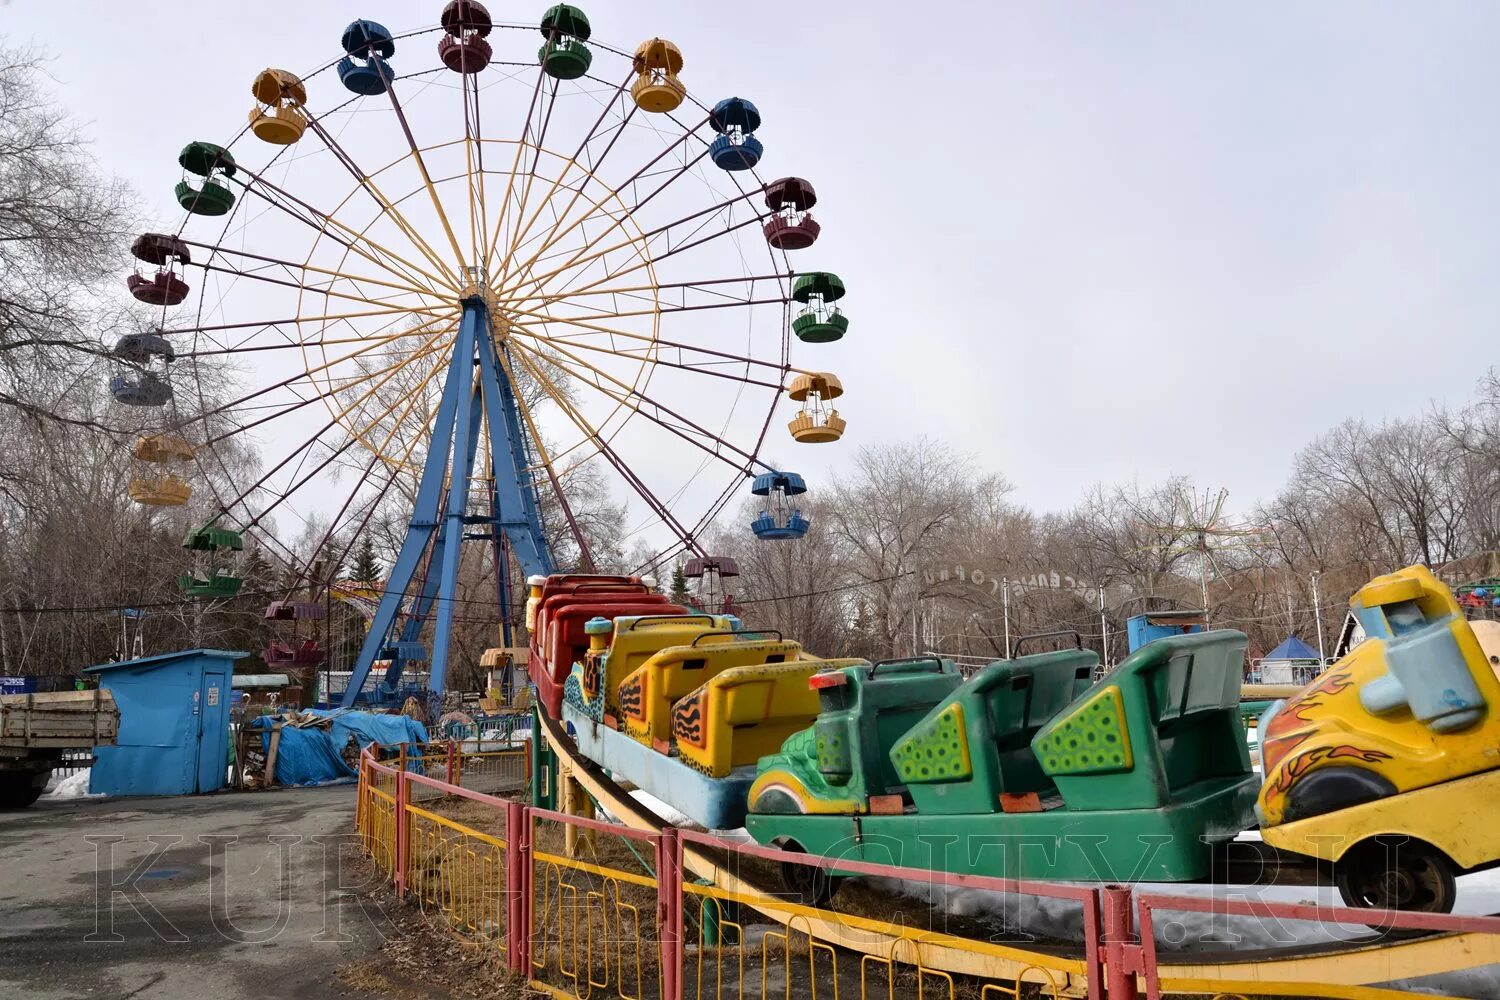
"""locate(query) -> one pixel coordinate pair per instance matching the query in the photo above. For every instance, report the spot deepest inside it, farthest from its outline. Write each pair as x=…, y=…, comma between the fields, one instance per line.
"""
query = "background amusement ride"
x=408, y=302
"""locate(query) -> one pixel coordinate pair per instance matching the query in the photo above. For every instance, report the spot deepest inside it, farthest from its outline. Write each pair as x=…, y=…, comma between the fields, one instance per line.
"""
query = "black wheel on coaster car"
x=1396, y=873
x=811, y=885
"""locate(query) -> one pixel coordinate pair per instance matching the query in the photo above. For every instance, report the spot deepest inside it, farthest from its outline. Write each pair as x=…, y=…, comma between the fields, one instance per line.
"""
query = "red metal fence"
x=581, y=905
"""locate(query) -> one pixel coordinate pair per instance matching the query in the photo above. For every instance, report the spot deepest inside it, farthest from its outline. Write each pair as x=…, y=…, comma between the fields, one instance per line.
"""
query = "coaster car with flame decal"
x=1385, y=765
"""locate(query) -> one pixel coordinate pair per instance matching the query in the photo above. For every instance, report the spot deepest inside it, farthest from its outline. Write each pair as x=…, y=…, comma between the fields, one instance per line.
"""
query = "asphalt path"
x=188, y=898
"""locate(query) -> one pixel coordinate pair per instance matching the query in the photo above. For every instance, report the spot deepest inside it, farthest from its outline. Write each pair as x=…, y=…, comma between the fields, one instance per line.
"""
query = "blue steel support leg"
x=424, y=518
x=515, y=513
x=515, y=504
x=466, y=426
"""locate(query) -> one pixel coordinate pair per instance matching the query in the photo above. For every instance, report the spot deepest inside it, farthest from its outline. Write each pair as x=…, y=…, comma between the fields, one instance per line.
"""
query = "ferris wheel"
x=466, y=269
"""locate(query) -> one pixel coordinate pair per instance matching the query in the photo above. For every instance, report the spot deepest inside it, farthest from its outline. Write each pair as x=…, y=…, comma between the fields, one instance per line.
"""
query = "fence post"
x=1122, y=952
x=517, y=887
x=401, y=826
x=451, y=772
x=360, y=785
x=669, y=910
x=1093, y=950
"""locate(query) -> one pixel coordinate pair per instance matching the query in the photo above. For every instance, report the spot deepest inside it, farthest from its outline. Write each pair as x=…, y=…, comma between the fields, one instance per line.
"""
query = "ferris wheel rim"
x=646, y=359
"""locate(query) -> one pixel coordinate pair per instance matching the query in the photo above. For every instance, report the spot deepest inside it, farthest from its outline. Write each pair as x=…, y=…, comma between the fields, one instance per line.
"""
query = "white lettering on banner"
x=1049, y=579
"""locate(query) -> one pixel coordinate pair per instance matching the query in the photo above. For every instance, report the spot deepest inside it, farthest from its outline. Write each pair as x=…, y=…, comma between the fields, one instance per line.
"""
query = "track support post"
x=543, y=766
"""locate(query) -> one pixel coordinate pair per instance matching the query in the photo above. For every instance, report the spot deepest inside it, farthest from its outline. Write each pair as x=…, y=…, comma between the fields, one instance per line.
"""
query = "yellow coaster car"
x=1388, y=765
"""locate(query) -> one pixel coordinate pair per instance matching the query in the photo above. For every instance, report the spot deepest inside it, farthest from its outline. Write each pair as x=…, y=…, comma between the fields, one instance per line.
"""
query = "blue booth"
x=174, y=724
x=1155, y=625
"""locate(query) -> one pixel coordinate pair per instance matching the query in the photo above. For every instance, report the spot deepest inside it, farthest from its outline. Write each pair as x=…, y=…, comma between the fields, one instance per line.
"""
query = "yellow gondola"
x=657, y=88
x=163, y=487
x=279, y=118
x=816, y=423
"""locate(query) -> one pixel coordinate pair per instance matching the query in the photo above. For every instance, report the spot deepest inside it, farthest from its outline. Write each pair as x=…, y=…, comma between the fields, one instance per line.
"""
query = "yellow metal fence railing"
x=459, y=873
x=792, y=949
x=594, y=925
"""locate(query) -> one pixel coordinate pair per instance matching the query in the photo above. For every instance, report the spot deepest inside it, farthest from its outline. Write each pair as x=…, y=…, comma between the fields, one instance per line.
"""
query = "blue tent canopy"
x=1292, y=649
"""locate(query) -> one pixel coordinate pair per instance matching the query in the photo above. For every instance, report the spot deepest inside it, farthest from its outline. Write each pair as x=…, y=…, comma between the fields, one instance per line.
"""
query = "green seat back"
x=976, y=743
x=1165, y=718
x=860, y=721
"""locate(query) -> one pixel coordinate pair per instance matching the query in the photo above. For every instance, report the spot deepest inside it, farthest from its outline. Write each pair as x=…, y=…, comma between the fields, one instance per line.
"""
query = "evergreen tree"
x=367, y=568
x=680, y=593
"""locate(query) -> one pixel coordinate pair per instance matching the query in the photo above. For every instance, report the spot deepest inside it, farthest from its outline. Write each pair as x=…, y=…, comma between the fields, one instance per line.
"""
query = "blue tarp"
x=1292, y=649
x=312, y=756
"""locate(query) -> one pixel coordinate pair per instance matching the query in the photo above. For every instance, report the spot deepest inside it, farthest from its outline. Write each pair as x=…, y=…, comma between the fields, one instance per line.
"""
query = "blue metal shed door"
x=213, y=735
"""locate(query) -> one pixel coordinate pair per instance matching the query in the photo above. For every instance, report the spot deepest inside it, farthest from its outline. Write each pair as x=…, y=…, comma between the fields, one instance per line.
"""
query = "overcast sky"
x=1084, y=242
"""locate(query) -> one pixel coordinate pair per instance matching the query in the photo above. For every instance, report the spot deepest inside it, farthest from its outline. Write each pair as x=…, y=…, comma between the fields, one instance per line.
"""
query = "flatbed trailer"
x=37, y=729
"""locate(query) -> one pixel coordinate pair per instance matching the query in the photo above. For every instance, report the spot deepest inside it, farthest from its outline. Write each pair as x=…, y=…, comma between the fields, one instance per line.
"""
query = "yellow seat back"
x=639, y=637
x=646, y=696
x=745, y=713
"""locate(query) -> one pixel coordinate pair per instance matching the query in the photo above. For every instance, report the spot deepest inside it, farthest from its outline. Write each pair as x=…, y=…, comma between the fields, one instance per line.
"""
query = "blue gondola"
x=363, y=70
x=736, y=148
x=140, y=390
x=779, y=519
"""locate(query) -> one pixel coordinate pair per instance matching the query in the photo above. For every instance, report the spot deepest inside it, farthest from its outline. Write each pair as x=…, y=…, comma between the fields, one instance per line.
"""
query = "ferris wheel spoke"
x=416, y=152
x=520, y=237
x=646, y=257
x=366, y=181
x=297, y=344
x=375, y=457
x=347, y=383
x=564, y=231
x=681, y=294
x=537, y=149
x=592, y=329
x=632, y=397
x=352, y=239
x=257, y=275
x=411, y=399
x=395, y=468
x=705, y=214
x=660, y=509
x=652, y=357
x=292, y=268
x=273, y=324
x=393, y=475
x=474, y=165
x=291, y=380
x=664, y=310
x=503, y=214
x=648, y=260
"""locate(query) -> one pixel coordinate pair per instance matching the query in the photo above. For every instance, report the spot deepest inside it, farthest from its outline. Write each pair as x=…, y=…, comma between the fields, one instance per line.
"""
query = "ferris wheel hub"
x=477, y=289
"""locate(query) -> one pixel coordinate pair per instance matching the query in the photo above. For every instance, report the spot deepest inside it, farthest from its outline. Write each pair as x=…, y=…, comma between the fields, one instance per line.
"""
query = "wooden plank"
x=270, y=778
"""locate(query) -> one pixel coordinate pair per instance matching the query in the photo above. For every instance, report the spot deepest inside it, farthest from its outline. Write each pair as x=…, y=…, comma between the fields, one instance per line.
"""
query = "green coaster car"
x=1025, y=770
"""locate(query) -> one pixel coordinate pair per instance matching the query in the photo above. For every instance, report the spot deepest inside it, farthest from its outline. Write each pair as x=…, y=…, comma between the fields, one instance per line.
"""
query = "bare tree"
x=63, y=229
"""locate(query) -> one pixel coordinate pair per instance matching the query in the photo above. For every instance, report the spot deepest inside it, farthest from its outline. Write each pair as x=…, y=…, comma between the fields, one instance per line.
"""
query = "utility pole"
x=1103, y=629
x=1318, y=615
x=1005, y=606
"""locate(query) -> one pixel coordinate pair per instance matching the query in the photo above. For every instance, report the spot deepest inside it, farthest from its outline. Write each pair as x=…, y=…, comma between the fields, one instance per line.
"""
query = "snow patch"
x=661, y=809
x=74, y=786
